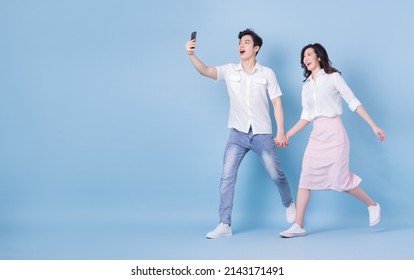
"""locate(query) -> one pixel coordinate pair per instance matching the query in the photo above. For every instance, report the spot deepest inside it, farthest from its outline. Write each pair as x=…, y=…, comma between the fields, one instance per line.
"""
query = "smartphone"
x=193, y=36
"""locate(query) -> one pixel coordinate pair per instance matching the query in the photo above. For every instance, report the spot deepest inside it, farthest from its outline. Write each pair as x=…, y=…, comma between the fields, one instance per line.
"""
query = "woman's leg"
x=361, y=195
x=297, y=229
x=302, y=200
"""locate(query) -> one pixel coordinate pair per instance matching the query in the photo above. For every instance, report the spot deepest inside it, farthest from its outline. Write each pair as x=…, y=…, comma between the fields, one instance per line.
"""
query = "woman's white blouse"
x=322, y=97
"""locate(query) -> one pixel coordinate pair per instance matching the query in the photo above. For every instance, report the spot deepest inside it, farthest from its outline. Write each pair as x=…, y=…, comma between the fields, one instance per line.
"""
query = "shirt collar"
x=320, y=73
x=257, y=67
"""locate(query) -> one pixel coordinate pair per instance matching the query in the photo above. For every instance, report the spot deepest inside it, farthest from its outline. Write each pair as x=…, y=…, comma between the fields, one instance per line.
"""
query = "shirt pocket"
x=260, y=86
x=235, y=83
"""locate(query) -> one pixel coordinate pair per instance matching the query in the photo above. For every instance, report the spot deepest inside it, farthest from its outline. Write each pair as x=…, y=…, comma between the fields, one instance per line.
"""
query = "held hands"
x=281, y=140
x=190, y=46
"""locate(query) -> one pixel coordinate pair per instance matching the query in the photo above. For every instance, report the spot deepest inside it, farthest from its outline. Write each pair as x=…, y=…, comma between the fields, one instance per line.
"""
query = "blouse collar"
x=320, y=73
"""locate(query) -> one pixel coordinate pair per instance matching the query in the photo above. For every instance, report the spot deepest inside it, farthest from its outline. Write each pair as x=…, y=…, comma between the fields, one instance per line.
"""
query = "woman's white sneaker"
x=294, y=231
x=374, y=214
x=222, y=230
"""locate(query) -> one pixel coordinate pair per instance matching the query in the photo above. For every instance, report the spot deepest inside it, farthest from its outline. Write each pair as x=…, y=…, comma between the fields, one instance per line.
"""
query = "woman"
x=326, y=160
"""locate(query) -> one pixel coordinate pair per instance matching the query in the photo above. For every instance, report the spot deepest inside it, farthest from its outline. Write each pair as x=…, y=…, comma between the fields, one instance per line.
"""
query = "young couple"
x=326, y=160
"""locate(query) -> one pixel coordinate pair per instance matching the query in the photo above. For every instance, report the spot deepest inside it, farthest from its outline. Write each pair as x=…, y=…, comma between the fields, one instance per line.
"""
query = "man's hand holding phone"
x=190, y=46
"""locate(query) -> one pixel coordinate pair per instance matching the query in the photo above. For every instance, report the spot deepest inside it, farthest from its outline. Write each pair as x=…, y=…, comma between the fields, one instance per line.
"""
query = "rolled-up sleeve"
x=353, y=104
x=305, y=115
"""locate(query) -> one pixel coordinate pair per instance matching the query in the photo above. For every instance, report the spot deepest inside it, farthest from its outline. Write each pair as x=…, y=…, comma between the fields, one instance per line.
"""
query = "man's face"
x=246, y=48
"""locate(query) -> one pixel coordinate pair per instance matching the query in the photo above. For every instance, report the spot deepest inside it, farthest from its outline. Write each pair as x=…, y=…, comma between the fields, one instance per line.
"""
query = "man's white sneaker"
x=222, y=230
x=294, y=231
x=291, y=213
x=374, y=214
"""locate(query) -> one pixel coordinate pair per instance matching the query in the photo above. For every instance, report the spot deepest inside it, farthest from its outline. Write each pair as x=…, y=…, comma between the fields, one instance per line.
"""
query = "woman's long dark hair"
x=322, y=54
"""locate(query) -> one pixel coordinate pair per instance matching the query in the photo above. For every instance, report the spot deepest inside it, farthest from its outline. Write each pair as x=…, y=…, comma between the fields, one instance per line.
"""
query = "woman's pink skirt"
x=325, y=164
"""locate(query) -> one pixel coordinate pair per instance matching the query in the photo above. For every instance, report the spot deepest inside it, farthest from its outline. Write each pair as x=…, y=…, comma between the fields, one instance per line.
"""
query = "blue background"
x=111, y=143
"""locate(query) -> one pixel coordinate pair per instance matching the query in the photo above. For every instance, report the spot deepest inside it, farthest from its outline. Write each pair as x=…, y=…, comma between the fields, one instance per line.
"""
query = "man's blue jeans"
x=238, y=144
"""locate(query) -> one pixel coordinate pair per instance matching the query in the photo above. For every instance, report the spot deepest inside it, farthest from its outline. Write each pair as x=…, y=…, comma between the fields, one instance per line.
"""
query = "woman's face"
x=311, y=60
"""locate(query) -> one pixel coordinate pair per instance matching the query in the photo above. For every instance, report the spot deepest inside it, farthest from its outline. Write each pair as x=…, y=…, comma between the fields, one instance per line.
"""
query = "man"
x=248, y=84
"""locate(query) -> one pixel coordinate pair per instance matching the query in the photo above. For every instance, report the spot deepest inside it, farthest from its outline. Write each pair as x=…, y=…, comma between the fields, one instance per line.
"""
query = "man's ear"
x=256, y=49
